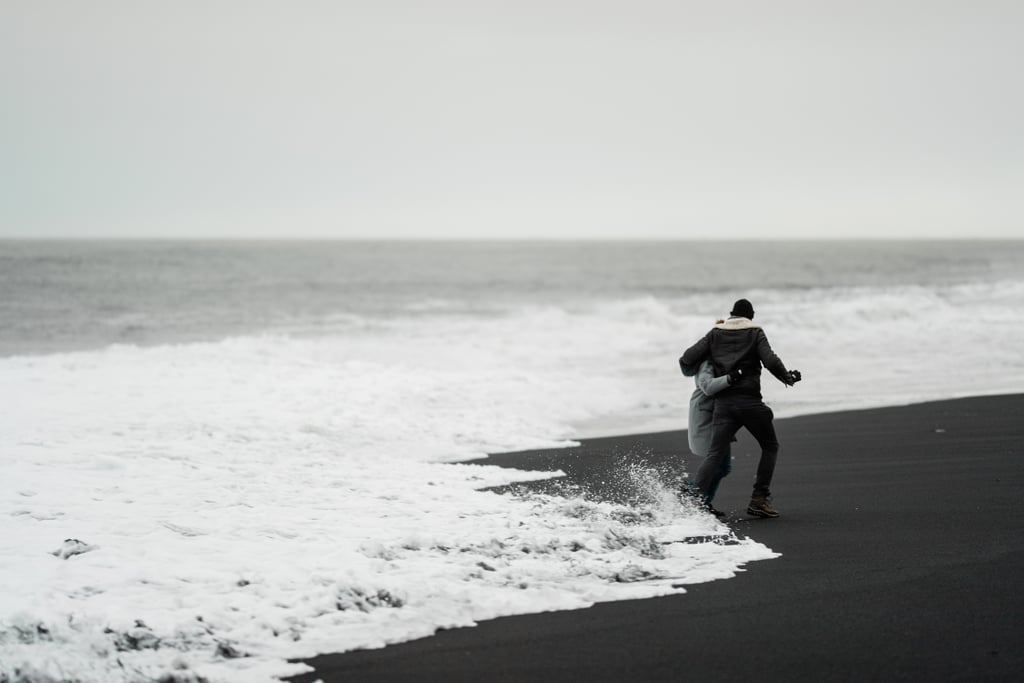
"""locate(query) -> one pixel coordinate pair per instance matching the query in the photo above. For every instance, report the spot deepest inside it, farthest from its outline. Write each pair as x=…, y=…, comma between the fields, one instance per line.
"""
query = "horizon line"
x=553, y=240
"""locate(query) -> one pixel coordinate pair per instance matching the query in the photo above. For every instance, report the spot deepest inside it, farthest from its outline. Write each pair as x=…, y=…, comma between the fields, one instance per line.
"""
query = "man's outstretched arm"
x=771, y=361
x=691, y=359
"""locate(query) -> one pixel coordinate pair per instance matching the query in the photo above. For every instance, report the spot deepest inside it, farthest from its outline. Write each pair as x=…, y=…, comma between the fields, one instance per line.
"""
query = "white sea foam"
x=248, y=501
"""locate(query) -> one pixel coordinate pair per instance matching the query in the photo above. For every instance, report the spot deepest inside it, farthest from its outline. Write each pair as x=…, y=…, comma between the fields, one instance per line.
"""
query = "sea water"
x=256, y=445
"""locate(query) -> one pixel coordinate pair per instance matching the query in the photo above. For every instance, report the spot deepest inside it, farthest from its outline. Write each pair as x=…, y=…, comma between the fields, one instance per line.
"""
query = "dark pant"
x=731, y=413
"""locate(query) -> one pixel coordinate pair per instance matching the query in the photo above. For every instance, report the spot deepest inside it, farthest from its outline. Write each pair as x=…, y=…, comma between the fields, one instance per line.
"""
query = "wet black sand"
x=902, y=541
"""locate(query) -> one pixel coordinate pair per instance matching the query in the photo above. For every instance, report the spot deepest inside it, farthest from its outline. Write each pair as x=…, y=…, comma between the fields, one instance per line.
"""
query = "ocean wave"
x=298, y=493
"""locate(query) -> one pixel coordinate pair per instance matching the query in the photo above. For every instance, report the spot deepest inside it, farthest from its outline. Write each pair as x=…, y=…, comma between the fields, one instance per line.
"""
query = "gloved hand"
x=794, y=377
x=735, y=375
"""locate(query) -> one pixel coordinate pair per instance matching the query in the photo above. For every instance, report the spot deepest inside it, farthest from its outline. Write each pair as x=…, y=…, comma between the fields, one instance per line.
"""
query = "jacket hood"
x=737, y=323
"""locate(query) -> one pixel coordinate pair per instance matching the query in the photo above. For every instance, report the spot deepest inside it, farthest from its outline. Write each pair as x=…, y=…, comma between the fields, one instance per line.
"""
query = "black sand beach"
x=902, y=541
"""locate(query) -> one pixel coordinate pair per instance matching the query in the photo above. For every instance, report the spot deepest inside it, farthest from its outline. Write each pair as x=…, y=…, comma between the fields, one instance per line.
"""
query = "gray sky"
x=478, y=118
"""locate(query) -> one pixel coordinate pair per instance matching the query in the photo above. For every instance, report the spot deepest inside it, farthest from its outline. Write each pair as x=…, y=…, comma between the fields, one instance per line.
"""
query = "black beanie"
x=742, y=309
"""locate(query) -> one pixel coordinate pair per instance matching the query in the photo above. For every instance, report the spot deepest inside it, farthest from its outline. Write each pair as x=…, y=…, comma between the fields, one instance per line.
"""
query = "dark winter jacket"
x=737, y=344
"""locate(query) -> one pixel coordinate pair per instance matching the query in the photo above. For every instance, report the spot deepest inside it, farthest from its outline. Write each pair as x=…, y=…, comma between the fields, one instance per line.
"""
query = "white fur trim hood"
x=737, y=323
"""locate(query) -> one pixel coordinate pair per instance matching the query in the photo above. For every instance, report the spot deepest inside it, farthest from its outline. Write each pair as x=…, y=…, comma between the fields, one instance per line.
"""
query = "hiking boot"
x=713, y=510
x=759, y=507
x=692, y=495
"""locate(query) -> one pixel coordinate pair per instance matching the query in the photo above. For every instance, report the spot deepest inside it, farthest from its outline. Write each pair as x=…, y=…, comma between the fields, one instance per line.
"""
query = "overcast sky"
x=479, y=118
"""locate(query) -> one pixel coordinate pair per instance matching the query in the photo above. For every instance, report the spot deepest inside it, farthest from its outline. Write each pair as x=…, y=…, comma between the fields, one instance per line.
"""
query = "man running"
x=738, y=347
